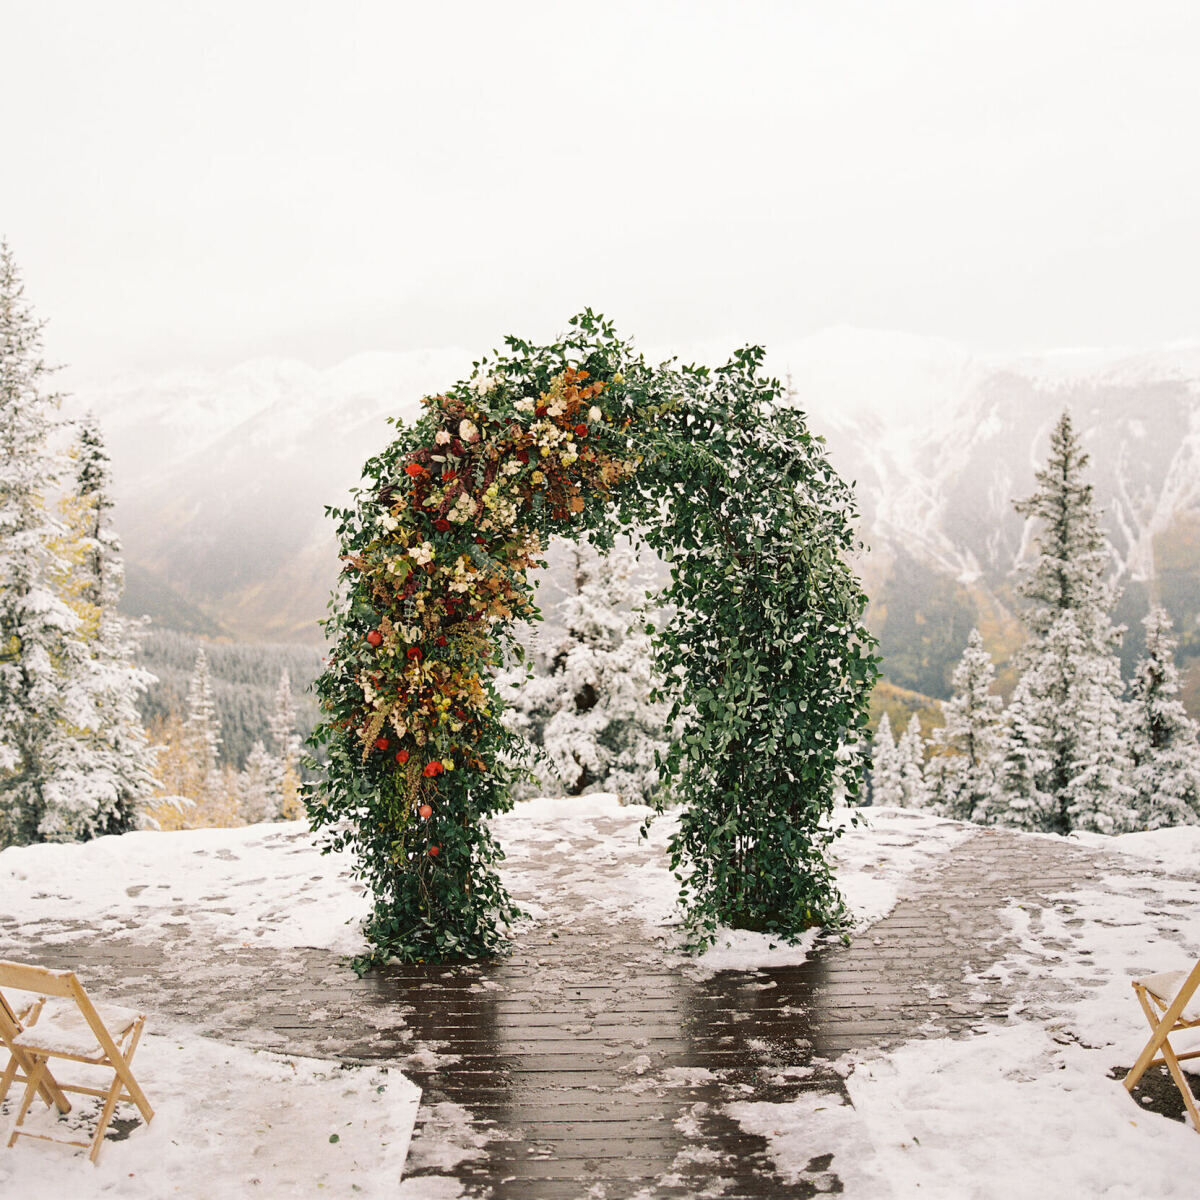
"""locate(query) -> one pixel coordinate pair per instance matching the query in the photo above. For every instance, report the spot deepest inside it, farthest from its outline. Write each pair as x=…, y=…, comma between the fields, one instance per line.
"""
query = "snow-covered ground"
x=1025, y=1107
x=228, y=1122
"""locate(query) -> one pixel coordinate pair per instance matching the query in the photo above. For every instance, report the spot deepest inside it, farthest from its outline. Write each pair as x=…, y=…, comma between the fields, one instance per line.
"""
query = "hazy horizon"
x=198, y=186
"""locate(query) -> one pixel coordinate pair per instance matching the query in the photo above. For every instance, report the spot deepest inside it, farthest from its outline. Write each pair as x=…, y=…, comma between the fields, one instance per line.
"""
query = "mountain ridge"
x=222, y=477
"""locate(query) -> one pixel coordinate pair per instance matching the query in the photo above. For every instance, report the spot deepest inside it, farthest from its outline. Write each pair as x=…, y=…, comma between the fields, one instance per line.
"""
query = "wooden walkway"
x=594, y=1062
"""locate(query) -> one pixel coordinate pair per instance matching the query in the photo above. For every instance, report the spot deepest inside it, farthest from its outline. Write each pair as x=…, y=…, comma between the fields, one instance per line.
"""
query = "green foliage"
x=769, y=665
x=768, y=668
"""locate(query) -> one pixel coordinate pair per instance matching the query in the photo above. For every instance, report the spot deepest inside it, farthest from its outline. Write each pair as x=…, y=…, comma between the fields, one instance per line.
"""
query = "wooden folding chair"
x=13, y=1015
x=63, y=1023
x=1170, y=1003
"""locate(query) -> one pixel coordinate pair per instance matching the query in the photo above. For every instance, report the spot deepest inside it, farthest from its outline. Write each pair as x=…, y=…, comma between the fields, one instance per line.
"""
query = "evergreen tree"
x=1161, y=737
x=910, y=754
x=1019, y=800
x=41, y=657
x=285, y=742
x=964, y=772
x=887, y=787
x=259, y=786
x=202, y=729
x=111, y=753
x=1068, y=693
x=588, y=706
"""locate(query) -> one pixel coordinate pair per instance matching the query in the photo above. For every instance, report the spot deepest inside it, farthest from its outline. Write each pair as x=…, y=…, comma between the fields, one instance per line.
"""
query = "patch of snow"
x=228, y=1122
x=874, y=861
x=1176, y=849
x=266, y=885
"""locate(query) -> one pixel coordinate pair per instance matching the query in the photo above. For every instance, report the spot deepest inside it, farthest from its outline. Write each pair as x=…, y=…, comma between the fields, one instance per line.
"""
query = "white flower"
x=389, y=523
x=484, y=384
x=594, y=414
x=442, y=437
x=468, y=431
x=525, y=405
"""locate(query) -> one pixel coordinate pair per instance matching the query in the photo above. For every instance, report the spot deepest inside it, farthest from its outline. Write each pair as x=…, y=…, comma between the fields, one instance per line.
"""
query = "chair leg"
x=106, y=1115
x=31, y=1089
x=125, y=1074
x=6, y=1080
x=1189, y=1101
x=1158, y=1036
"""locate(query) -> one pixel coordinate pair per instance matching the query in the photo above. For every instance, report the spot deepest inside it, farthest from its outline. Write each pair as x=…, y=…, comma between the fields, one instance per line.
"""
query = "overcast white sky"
x=188, y=183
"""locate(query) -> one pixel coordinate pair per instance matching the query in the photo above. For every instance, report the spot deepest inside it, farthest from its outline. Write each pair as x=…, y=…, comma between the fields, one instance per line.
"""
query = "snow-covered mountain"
x=222, y=477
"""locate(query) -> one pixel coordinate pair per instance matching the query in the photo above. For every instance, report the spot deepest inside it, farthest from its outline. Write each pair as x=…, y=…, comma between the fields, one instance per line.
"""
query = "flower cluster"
x=458, y=528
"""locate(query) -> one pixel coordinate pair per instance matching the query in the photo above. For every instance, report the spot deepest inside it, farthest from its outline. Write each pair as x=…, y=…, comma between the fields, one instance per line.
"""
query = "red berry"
x=381, y=743
x=425, y=812
x=374, y=637
x=434, y=851
x=402, y=757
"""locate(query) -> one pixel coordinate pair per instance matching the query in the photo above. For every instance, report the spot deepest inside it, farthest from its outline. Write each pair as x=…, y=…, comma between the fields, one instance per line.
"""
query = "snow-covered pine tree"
x=963, y=774
x=41, y=656
x=259, y=786
x=1019, y=800
x=910, y=754
x=887, y=787
x=1069, y=690
x=1161, y=737
x=202, y=727
x=111, y=758
x=587, y=706
x=285, y=742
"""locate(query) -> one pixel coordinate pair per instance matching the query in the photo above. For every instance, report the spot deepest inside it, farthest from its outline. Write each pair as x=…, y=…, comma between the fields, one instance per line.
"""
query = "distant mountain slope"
x=222, y=477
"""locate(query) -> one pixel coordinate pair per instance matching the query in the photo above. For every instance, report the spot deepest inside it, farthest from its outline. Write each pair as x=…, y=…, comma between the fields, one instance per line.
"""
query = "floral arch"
x=767, y=664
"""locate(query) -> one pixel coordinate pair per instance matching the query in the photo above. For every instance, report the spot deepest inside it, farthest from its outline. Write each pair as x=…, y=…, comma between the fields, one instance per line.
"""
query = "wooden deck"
x=594, y=1062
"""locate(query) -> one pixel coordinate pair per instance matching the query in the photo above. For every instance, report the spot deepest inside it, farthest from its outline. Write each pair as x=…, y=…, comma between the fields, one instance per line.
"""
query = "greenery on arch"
x=768, y=666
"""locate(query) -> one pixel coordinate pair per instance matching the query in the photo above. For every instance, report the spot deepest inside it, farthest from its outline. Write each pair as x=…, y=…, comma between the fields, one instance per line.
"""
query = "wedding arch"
x=766, y=662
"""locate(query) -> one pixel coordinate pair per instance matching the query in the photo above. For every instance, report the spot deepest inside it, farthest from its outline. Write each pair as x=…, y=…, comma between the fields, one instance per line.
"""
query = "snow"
x=229, y=1122
x=938, y=1117
x=1024, y=1107
x=262, y=884
x=874, y=861
x=1173, y=850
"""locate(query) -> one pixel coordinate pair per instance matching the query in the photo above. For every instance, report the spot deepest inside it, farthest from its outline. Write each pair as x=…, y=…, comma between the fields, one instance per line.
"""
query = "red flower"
x=414, y=653
x=432, y=769
x=434, y=851
x=374, y=637
x=441, y=524
x=402, y=757
x=480, y=541
x=381, y=743
x=441, y=641
x=523, y=456
x=540, y=411
x=415, y=470
x=448, y=477
x=581, y=431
